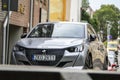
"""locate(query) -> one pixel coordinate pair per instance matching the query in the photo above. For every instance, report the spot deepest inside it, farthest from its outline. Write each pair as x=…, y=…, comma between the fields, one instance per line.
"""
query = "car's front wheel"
x=105, y=65
x=88, y=62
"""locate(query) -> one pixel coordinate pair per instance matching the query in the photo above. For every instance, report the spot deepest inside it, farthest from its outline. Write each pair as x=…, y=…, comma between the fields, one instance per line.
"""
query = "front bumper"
x=66, y=60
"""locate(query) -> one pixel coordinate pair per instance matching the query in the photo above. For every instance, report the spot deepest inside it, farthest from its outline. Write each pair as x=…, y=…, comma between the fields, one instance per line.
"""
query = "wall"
x=21, y=18
x=68, y=4
x=36, y=14
x=65, y=10
x=75, y=13
x=15, y=33
x=57, y=12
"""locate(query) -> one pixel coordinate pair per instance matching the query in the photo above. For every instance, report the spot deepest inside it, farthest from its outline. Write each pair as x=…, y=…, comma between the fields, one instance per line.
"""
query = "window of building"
x=40, y=11
x=25, y=29
x=41, y=1
x=45, y=2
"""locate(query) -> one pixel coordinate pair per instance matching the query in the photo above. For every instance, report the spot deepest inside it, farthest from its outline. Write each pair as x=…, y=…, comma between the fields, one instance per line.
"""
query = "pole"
x=108, y=31
x=118, y=29
x=31, y=15
x=7, y=36
x=4, y=40
x=48, y=13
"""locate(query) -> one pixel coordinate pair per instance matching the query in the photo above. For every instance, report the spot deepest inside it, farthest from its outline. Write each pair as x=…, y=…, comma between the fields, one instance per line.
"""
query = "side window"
x=88, y=32
x=91, y=32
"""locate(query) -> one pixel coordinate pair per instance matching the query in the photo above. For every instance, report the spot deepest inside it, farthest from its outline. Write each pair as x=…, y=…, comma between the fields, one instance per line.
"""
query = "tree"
x=94, y=22
x=85, y=4
x=108, y=13
x=85, y=16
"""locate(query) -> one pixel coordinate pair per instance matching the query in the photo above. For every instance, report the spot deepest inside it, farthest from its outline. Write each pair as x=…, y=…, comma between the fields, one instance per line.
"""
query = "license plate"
x=44, y=57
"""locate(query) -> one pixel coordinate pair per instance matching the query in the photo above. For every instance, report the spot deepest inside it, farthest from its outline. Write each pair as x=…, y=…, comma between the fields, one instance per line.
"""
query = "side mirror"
x=23, y=35
x=92, y=37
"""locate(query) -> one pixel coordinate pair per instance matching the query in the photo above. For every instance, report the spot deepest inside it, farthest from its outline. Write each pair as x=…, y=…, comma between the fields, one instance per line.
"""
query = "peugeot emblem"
x=44, y=51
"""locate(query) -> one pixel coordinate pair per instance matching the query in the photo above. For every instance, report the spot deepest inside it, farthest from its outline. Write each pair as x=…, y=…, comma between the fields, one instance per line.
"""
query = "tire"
x=105, y=65
x=88, y=62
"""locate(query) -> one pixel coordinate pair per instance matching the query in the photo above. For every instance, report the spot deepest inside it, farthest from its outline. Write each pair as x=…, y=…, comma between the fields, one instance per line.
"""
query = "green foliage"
x=85, y=4
x=93, y=21
x=108, y=13
x=85, y=16
x=105, y=43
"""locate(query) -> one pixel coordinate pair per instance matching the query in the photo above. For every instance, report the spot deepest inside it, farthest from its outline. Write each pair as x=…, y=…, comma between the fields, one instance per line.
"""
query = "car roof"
x=85, y=23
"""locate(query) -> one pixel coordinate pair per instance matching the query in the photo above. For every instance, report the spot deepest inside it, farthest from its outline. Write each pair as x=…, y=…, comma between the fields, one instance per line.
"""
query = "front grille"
x=57, y=52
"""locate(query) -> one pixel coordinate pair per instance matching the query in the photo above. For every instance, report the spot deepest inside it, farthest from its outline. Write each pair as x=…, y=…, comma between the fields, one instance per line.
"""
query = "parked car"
x=61, y=44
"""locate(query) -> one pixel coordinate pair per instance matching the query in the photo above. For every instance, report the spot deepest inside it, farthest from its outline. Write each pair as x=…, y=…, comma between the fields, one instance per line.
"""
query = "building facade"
x=19, y=22
x=40, y=11
x=65, y=10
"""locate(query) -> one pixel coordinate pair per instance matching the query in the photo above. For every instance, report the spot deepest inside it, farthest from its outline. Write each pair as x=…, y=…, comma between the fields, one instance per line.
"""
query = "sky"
x=95, y=4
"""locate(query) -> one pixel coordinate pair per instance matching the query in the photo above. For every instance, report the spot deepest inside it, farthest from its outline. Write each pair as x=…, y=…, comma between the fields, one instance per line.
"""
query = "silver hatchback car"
x=61, y=44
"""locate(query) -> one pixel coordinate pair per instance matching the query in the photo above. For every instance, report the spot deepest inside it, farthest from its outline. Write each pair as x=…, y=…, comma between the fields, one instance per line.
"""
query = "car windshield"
x=58, y=30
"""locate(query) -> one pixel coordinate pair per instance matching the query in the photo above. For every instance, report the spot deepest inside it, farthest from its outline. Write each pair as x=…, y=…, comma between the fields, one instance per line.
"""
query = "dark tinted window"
x=42, y=30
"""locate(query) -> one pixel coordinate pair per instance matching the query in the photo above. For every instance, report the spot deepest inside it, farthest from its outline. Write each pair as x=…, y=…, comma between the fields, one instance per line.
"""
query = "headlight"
x=78, y=48
x=18, y=48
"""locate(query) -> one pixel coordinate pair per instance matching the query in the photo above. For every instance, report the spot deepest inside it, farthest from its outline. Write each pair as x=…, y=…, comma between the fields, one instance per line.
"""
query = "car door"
x=96, y=46
x=102, y=47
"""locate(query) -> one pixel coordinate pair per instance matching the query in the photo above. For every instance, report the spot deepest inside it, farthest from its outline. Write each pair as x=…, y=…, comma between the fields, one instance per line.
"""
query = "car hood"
x=49, y=42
